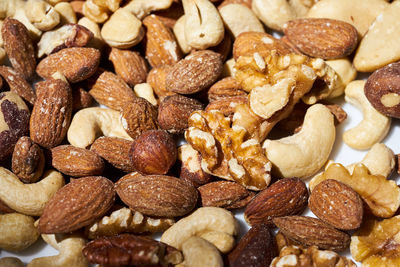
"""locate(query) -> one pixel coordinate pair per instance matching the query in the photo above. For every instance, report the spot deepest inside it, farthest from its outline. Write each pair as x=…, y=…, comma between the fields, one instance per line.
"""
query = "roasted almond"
x=157, y=195
x=81, y=99
x=157, y=79
x=79, y=203
x=323, y=38
x=227, y=87
x=18, y=84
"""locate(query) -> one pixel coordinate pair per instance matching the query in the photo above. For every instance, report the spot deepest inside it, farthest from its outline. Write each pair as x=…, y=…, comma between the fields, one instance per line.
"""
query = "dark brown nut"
x=19, y=47
x=282, y=241
x=285, y=197
x=224, y=194
x=154, y=152
x=27, y=160
x=18, y=84
x=310, y=231
x=170, y=15
x=227, y=105
x=195, y=72
x=81, y=99
x=115, y=151
x=77, y=6
x=14, y=122
x=157, y=80
x=338, y=113
x=51, y=114
x=383, y=90
x=256, y=248
x=130, y=250
x=129, y=65
x=157, y=195
x=174, y=111
x=227, y=87
x=76, y=161
x=224, y=48
x=139, y=116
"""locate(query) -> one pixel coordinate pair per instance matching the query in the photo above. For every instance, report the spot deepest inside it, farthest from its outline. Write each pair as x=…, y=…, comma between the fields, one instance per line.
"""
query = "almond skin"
x=310, y=231
x=157, y=195
x=18, y=84
x=75, y=63
x=75, y=161
x=285, y=197
x=227, y=87
x=337, y=204
x=323, y=38
x=78, y=204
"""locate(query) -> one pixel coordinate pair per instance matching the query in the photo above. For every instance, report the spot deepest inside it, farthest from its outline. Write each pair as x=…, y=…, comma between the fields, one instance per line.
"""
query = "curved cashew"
x=179, y=31
x=90, y=123
x=199, y=252
x=141, y=8
x=203, y=220
x=17, y=232
x=203, y=24
x=373, y=128
x=239, y=18
x=303, y=154
x=42, y=15
x=97, y=41
x=346, y=72
x=28, y=199
x=70, y=248
x=145, y=91
x=66, y=12
x=20, y=15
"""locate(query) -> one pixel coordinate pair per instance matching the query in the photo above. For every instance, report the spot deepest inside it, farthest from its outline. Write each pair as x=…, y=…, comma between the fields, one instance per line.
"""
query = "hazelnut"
x=153, y=152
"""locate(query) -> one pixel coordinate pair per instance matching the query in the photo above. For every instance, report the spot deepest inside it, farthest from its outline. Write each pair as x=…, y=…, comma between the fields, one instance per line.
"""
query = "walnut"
x=228, y=152
x=310, y=257
x=377, y=243
x=125, y=220
x=99, y=10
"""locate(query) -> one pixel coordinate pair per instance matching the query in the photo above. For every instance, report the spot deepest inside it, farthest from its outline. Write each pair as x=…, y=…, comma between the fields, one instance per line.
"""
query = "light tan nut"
x=376, y=243
x=125, y=220
x=141, y=8
x=373, y=51
x=66, y=12
x=291, y=256
x=144, y=90
x=203, y=24
x=96, y=13
x=41, y=14
x=70, y=252
x=200, y=223
x=17, y=232
x=8, y=8
x=97, y=41
x=90, y=123
x=11, y=262
x=122, y=30
x=309, y=149
x=20, y=15
x=179, y=31
x=194, y=251
x=229, y=68
x=374, y=126
x=382, y=196
x=3, y=54
x=29, y=199
x=346, y=72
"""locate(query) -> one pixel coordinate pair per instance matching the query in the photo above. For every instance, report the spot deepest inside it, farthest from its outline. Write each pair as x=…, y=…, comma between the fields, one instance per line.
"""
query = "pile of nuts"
x=97, y=96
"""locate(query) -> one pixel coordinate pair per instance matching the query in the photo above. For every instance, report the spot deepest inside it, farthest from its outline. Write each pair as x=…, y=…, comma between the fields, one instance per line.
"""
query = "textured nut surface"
x=18, y=84
x=226, y=87
x=81, y=99
x=41, y=14
x=70, y=209
x=157, y=80
x=157, y=195
x=227, y=105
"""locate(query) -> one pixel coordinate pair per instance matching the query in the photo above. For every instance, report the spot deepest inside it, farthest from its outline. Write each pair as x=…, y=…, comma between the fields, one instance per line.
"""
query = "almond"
x=115, y=151
x=323, y=38
x=51, y=114
x=18, y=84
x=75, y=63
x=157, y=195
x=227, y=87
x=310, y=231
x=161, y=47
x=196, y=72
x=19, y=47
x=81, y=99
x=157, y=79
x=227, y=105
x=337, y=204
x=75, y=161
x=285, y=197
x=111, y=91
x=77, y=204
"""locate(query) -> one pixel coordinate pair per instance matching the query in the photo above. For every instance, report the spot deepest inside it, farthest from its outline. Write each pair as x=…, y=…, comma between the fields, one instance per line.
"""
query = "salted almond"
x=18, y=84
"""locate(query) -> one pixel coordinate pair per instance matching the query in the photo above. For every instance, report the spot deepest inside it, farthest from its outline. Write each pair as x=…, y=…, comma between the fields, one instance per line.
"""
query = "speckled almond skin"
x=77, y=204
x=18, y=84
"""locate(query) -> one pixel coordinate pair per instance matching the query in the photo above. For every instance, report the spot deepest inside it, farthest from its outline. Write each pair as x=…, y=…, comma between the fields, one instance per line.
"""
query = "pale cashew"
x=42, y=15
x=346, y=72
x=11, y=262
x=29, y=199
x=179, y=31
x=203, y=220
x=70, y=248
x=141, y=8
x=304, y=153
x=9, y=7
x=17, y=232
x=66, y=12
x=229, y=68
x=239, y=18
x=20, y=15
x=122, y=30
x=145, y=91
x=199, y=252
x=203, y=24
x=90, y=123
x=374, y=126
x=97, y=41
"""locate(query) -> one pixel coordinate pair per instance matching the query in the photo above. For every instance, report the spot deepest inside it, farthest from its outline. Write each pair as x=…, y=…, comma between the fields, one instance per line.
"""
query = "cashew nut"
x=199, y=252
x=201, y=223
x=29, y=199
x=304, y=153
x=70, y=248
x=90, y=123
x=374, y=126
x=346, y=72
x=229, y=68
x=66, y=12
x=97, y=41
x=11, y=262
x=141, y=8
x=17, y=232
x=42, y=15
x=145, y=91
x=239, y=18
x=179, y=31
x=203, y=24
x=20, y=15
